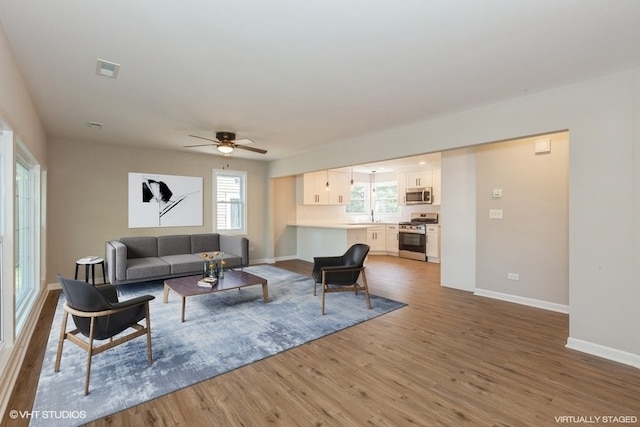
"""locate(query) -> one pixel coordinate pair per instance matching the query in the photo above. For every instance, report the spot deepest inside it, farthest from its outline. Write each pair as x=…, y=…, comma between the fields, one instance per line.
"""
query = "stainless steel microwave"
x=418, y=196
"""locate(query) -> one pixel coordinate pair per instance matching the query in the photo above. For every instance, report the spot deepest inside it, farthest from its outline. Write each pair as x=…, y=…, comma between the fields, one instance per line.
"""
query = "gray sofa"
x=139, y=259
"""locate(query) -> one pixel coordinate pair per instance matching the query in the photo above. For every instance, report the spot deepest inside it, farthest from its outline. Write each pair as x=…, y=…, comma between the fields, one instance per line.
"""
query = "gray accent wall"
x=525, y=255
x=88, y=197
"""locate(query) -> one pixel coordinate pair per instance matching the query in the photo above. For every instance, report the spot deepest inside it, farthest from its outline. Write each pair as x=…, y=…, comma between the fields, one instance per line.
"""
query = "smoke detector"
x=107, y=69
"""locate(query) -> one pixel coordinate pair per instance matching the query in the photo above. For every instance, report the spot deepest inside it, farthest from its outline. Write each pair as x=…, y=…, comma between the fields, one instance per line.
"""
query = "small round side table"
x=90, y=261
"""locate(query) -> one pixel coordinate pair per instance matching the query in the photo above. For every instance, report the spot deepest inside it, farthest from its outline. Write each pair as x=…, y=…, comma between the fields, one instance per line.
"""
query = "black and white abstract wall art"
x=164, y=200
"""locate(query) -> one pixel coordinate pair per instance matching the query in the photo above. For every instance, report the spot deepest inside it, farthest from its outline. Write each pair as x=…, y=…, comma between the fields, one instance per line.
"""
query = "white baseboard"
x=262, y=261
x=286, y=258
x=604, y=352
x=545, y=305
x=9, y=373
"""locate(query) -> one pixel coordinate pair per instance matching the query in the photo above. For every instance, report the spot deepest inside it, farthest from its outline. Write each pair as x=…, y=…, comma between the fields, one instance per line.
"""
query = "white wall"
x=601, y=115
x=458, y=219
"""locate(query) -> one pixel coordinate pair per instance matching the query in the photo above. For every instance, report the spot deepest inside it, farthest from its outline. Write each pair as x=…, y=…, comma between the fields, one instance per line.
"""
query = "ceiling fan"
x=226, y=142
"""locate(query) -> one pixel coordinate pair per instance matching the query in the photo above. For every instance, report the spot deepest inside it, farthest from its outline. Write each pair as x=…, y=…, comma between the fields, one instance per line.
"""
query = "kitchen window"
x=230, y=201
x=386, y=197
x=358, y=202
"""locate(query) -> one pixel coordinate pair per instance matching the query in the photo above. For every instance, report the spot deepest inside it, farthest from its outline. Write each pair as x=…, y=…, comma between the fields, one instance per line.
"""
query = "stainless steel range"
x=412, y=235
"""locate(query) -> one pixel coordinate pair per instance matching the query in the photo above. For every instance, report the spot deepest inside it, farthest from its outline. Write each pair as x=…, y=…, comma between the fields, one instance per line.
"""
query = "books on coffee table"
x=207, y=282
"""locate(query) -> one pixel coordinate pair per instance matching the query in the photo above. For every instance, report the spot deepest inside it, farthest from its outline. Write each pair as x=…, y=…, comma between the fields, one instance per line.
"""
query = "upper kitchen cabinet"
x=315, y=188
x=419, y=179
x=339, y=188
x=316, y=191
x=437, y=185
x=402, y=188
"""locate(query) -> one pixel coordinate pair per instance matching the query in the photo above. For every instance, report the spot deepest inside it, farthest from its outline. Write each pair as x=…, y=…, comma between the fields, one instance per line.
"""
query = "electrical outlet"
x=513, y=276
x=495, y=213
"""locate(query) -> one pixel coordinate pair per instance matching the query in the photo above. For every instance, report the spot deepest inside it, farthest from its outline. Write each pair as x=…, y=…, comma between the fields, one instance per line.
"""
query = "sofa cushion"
x=230, y=260
x=184, y=263
x=141, y=247
x=205, y=243
x=174, y=245
x=144, y=268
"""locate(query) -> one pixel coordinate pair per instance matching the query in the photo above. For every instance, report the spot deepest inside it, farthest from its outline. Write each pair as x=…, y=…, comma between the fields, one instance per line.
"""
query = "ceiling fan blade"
x=255, y=150
x=202, y=137
x=243, y=141
x=200, y=145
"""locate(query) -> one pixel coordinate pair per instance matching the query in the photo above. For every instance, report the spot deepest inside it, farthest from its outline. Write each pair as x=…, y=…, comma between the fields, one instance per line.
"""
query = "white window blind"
x=230, y=206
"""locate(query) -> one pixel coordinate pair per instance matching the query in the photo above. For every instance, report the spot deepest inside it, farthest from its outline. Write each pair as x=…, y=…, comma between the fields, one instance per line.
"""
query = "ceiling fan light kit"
x=225, y=148
x=226, y=143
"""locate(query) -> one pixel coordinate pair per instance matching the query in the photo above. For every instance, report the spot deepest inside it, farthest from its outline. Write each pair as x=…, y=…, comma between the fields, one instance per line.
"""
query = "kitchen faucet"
x=372, y=216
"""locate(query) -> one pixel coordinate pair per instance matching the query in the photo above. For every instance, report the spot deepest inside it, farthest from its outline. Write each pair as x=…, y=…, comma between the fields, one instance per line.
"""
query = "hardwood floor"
x=448, y=358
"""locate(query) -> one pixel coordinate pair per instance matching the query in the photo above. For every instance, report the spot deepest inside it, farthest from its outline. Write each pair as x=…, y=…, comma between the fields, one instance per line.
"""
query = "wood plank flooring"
x=448, y=358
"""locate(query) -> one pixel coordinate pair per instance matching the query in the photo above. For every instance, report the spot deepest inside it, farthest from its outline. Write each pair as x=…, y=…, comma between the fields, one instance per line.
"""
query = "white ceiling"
x=292, y=75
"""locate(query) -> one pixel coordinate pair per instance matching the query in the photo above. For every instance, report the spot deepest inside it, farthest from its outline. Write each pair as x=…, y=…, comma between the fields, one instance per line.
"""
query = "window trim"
x=23, y=308
x=374, y=201
x=243, y=203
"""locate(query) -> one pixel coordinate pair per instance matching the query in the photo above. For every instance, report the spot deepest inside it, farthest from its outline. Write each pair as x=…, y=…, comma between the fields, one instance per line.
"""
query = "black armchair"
x=341, y=273
x=98, y=315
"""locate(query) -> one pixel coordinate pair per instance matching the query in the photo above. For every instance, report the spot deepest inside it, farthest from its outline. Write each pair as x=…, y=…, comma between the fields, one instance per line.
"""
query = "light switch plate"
x=495, y=213
x=542, y=146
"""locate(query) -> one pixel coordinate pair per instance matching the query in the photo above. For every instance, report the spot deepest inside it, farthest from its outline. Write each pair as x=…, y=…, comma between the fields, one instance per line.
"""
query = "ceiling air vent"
x=107, y=69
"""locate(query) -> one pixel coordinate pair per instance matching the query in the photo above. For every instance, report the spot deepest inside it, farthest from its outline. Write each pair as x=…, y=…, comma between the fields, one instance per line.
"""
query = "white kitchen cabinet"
x=433, y=243
x=402, y=188
x=315, y=188
x=376, y=238
x=339, y=188
x=391, y=238
x=316, y=192
x=419, y=179
x=437, y=185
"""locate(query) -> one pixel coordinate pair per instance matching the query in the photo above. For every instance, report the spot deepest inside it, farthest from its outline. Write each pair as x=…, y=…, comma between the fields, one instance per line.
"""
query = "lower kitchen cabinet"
x=376, y=238
x=433, y=243
x=391, y=239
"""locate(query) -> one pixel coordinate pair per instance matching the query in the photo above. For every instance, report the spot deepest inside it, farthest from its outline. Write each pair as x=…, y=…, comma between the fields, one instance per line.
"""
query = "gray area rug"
x=222, y=332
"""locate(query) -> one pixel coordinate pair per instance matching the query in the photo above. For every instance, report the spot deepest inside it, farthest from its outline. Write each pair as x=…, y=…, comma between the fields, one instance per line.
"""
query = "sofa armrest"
x=236, y=245
x=116, y=261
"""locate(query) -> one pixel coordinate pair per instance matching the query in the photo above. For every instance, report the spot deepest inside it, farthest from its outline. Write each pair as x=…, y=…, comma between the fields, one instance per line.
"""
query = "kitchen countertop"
x=341, y=226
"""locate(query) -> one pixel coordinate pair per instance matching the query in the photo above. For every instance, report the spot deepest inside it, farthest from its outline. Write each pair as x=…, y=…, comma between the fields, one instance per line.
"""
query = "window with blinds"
x=230, y=201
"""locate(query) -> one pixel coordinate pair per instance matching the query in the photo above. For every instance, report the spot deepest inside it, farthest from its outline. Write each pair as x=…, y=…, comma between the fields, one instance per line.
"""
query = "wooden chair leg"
x=63, y=332
x=366, y=289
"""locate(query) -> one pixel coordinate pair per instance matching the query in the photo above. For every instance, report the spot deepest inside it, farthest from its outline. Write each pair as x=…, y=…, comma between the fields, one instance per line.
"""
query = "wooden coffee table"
x=188, y=286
